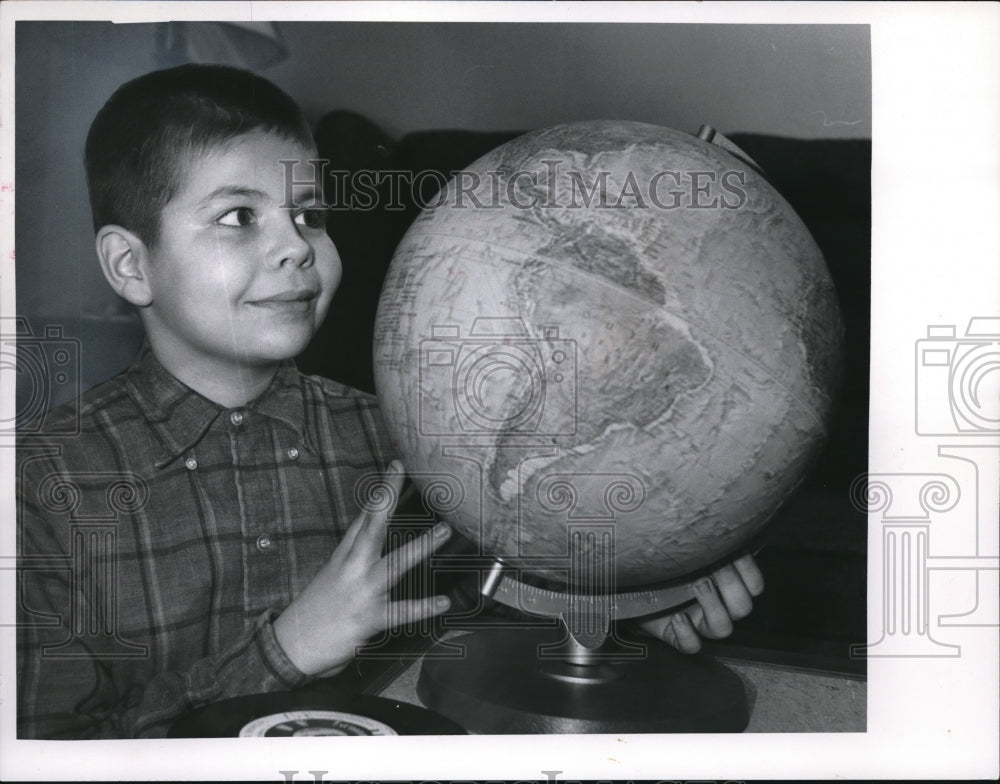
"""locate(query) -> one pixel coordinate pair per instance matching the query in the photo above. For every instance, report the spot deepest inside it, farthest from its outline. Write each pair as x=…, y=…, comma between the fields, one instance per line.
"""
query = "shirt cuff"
x=285, y=674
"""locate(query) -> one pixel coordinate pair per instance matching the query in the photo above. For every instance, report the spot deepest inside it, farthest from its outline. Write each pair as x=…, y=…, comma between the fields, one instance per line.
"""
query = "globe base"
x=507, y=682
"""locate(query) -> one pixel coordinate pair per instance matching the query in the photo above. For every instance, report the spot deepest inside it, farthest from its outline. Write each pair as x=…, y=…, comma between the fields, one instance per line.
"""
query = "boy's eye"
x=241, y=216
x=314, y=218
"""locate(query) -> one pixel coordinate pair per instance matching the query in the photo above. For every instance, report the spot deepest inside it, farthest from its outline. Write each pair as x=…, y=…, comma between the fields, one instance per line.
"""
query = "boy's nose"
x=290, y=247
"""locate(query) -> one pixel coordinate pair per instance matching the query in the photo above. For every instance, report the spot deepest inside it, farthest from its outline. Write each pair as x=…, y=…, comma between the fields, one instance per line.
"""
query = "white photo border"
x=935, y=251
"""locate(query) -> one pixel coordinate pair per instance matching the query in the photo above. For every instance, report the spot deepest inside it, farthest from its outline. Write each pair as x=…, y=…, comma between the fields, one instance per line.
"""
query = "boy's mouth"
x=292, y=299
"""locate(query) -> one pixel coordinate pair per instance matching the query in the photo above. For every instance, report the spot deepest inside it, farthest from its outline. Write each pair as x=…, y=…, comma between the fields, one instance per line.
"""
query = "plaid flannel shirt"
x=158, y=545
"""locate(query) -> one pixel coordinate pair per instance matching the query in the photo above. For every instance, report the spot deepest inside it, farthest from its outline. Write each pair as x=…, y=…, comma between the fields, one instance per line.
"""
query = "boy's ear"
x=124, y=259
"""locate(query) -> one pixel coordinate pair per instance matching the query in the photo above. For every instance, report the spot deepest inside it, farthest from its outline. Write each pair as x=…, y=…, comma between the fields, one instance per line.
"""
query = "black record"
x=311, y=712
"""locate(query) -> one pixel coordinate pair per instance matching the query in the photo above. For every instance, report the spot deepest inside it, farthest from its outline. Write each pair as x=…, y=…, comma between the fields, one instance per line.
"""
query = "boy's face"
x=235, y=278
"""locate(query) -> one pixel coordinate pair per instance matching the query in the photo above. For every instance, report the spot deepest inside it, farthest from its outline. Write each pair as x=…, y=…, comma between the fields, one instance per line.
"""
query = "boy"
x=191, y=543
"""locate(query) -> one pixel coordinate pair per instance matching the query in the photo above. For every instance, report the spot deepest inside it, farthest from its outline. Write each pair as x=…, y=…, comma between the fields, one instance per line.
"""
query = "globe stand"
x=576, y=675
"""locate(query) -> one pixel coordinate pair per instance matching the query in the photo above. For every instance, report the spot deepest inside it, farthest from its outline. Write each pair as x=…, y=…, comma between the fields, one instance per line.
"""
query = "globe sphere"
x=607, y=348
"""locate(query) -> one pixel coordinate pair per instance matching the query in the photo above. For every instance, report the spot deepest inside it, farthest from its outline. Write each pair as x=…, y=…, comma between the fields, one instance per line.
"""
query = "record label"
x=314, y=710
x=304, y=723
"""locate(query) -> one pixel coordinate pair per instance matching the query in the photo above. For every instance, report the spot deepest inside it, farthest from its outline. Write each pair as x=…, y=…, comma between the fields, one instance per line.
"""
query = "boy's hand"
x=724, y=597
x=347, y=601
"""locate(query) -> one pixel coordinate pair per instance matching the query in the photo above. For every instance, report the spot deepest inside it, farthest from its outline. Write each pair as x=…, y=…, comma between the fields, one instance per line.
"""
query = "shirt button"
x=236, y=418
x=293, y=453
x=264, y=542
x=190, y=464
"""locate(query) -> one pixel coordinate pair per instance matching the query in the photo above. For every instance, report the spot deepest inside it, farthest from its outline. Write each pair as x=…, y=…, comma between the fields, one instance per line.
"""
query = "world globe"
x=608, y=324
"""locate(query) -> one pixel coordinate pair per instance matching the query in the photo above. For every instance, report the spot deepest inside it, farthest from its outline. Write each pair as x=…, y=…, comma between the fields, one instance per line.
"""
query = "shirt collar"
x=283, y=400
x=180, y=417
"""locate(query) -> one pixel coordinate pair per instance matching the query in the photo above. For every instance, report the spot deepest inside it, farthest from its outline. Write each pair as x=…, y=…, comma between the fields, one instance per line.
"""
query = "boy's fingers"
x=408, y=555
x=658, y=626
x=750, y=573
x=685, y=637
x=725, y=596
x=734, y=593
x=350, y=536
x=372, y=533
x=411, y=611
x=677, y=628
x=716, y=624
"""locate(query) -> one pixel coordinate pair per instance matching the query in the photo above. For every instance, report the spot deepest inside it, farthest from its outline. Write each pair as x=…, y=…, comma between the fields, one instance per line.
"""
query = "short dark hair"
x=141, y=139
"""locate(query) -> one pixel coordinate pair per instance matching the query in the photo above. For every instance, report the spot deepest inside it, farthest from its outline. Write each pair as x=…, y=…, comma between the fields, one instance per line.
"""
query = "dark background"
x=436, y=96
